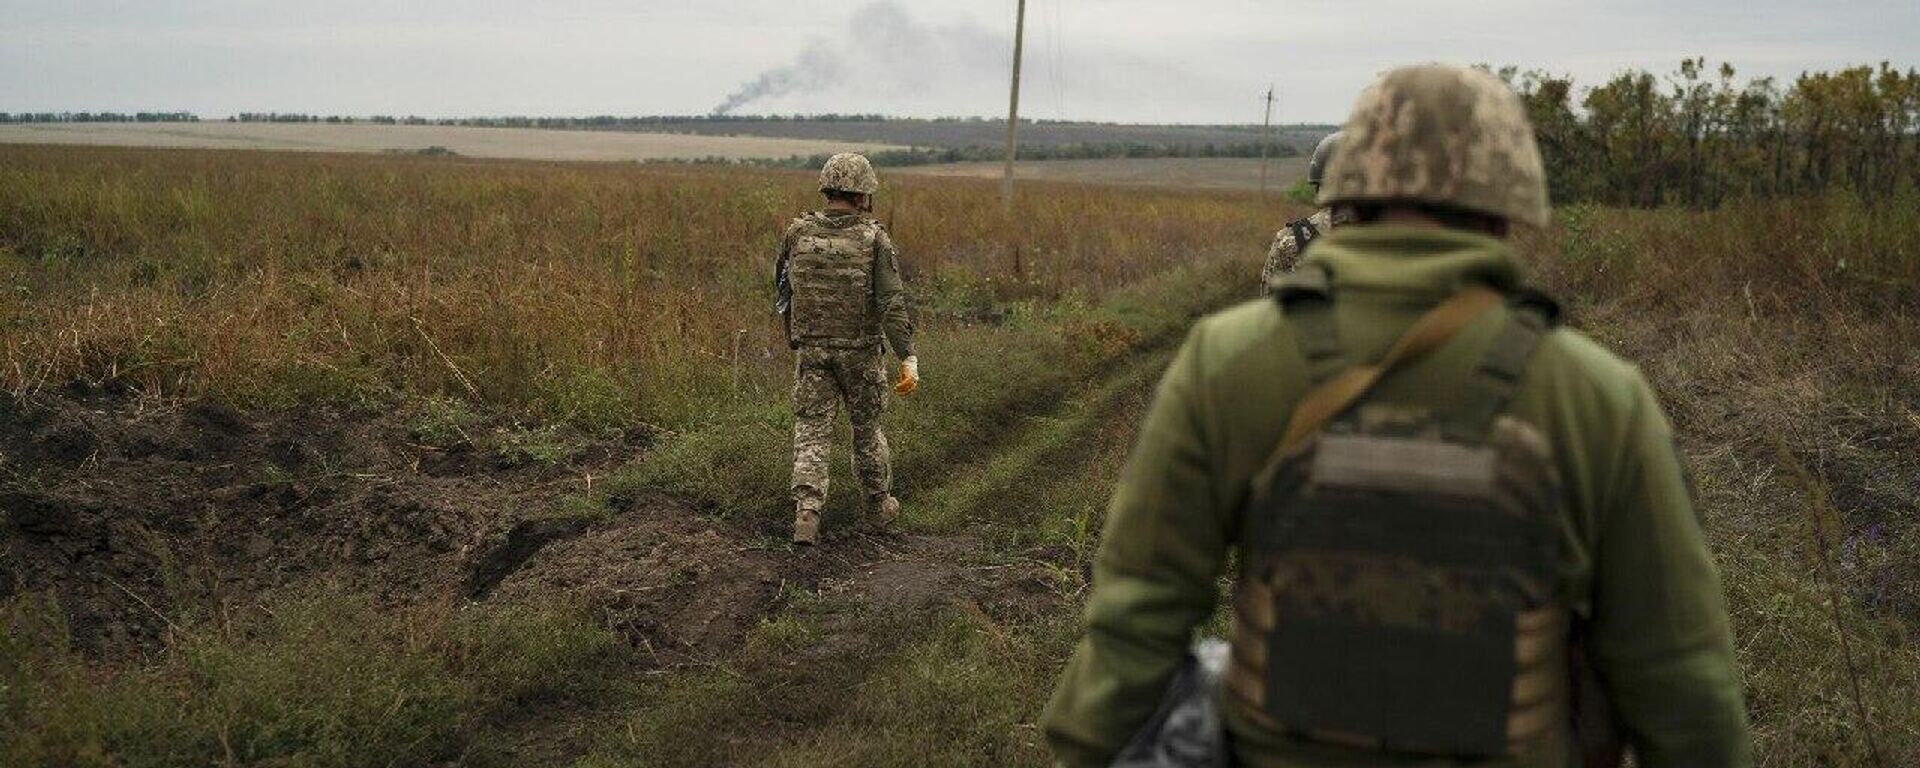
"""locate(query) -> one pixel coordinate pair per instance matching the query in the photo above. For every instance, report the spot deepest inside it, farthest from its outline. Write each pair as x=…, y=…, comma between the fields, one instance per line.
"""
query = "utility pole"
x=1266, y=140
x=1013, y=106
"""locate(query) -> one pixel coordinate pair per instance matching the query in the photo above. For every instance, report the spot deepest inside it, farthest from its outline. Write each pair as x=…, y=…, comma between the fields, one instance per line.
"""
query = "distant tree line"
x=656, y=121
x=299, y=117
x=1696, y=137
x=653, y=121
x=98, y=117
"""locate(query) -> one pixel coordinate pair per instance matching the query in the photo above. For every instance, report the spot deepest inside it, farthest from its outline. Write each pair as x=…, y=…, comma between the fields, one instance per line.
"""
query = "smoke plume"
x=884, y=50
x=818, y=68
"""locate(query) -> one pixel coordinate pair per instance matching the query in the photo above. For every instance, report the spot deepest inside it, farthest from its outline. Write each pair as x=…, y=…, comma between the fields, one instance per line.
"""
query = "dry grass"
x=1785, y=342
x=594, y=294
x=598, y=294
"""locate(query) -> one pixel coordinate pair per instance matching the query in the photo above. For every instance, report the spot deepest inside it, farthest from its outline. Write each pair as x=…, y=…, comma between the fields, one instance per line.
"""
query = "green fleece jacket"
x=1635, y=565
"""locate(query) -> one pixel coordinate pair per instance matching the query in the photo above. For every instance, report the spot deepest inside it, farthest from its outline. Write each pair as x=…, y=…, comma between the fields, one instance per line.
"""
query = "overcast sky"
x=1123, y=60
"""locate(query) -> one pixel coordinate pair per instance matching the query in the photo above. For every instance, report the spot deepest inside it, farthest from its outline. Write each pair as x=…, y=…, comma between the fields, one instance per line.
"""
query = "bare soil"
x=137, y=516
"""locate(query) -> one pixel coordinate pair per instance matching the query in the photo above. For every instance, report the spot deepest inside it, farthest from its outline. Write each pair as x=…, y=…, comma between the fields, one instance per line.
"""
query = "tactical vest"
x=1398, y=589
x=831, y=270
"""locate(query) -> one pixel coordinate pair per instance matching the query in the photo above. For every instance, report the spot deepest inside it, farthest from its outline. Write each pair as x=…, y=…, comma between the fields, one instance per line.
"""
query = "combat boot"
x=883, y=510
x=806, y=526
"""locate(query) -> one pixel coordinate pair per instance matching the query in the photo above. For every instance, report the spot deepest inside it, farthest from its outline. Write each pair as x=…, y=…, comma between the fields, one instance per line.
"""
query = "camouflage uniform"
x=847, y=297
x=1284, y=254
x=1622, y=560
x=823, y=378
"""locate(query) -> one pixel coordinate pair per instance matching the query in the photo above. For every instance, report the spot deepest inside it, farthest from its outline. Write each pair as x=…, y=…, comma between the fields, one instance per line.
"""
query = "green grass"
x=847, y=685
x=979, y=382
x=321, y=679
x=835, y=682
x=1028, y=492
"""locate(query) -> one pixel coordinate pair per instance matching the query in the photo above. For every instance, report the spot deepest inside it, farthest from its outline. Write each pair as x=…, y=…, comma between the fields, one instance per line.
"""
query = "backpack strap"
x=1304, y=233
x=1330, y=398
x=1497, y=377
x=1306, y=298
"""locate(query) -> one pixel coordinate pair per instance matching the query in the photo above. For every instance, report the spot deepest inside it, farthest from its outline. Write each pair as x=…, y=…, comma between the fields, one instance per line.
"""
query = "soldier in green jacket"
x=840, y=292
x=1445, y=507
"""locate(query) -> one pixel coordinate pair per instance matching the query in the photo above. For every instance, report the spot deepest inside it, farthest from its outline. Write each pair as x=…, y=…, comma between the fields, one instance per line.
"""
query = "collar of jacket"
x=839, y=218
x=1414, y=259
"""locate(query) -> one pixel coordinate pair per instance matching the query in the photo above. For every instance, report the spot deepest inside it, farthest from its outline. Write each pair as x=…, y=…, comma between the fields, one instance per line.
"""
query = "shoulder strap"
x=1306, y=298
x=1330, y=398
x=1494, y=380
x=1304, y=233
x=1427, y=333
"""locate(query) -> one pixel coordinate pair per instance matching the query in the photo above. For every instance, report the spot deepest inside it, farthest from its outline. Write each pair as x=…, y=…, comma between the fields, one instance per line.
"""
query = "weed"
x=532, y=445
x=1303, y=193
x=443, y=422
x=321, y=679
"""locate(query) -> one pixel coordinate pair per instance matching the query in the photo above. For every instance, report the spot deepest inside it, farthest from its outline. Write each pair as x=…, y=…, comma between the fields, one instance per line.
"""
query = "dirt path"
x=690, y=591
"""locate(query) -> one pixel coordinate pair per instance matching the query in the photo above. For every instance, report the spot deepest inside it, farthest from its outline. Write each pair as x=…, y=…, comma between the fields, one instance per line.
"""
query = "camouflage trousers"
x=823, y=379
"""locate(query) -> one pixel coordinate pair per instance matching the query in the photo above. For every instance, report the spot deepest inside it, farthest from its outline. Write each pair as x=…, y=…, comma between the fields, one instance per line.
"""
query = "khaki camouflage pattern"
x=830, y=264
x=1441, y=135
x=1330, y=573
x=1284, y=254
x=824, y=378
x=849, y=172
x=847, y=291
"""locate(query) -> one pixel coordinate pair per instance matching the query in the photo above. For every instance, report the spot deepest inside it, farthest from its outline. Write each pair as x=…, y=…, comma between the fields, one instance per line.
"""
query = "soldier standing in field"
x=1464, y=533
x=840, y=292
x=1294, y=238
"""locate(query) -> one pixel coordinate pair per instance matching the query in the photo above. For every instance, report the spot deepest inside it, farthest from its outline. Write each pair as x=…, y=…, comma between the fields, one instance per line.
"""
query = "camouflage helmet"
x=1449, y=136
x=1322, y=152
x=849, y=172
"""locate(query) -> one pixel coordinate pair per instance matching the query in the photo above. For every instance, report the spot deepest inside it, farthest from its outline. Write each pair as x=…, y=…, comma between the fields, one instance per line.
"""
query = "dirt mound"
x=136, y=514
x=687, y=588
x=681, y=587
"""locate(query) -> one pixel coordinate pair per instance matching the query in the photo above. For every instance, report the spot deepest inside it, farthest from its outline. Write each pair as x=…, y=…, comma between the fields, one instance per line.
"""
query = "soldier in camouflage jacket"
x=1292, y=239
x=838, y=276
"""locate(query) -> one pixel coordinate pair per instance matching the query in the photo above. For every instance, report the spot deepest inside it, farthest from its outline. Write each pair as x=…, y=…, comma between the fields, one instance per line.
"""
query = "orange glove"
x=909, y=376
